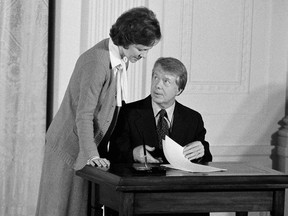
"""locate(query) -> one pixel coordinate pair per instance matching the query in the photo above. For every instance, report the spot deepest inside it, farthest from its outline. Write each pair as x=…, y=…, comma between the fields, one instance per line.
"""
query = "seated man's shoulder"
x=136, y=104
x=133, y=107
x=187, y=110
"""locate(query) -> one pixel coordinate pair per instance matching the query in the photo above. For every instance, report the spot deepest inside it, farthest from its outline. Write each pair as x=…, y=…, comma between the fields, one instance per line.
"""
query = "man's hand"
x=193, y=150
x=138, y=154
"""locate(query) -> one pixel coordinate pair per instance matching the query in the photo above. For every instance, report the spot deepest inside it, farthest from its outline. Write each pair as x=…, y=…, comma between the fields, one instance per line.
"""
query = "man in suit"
x=137, y=124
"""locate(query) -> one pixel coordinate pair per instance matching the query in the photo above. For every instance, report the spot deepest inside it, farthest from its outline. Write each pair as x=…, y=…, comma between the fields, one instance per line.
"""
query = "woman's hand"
x=99, y=162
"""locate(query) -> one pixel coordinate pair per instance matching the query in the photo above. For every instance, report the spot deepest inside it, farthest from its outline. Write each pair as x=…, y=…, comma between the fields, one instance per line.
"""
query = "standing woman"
x=80, y=131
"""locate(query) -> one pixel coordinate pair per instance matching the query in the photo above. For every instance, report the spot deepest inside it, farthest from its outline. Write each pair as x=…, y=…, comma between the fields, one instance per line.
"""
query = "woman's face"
x=136, y=51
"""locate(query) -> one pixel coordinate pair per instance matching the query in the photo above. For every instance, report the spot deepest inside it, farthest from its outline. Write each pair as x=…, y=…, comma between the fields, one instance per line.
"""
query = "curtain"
x=23, y=86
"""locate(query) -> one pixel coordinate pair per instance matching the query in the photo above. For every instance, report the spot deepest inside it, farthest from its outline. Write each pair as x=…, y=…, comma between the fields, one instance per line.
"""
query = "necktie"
x=162, y=127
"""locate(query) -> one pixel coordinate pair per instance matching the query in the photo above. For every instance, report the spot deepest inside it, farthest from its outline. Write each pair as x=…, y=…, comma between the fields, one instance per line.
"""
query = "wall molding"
x=234, y=150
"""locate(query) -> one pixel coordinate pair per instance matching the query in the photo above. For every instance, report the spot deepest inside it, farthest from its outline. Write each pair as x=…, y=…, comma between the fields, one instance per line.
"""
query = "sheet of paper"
x=174, y=154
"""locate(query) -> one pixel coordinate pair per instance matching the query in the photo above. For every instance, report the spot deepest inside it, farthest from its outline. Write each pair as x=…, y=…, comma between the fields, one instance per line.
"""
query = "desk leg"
x=89, y=199
x=278, y=203
x=241, y=213
x=126, y=207
x=94, y=208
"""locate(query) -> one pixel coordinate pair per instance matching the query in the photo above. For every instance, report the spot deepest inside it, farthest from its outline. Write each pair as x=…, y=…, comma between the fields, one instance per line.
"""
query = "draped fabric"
x=23, y=78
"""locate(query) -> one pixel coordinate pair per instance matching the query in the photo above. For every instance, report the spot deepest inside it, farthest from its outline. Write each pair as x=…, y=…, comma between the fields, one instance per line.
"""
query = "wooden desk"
x=242, y=188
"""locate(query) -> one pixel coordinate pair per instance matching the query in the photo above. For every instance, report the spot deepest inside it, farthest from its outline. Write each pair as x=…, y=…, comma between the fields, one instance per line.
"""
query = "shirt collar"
x=170, y=110
x=119, y=67
x=114, y=54
x=115, y=57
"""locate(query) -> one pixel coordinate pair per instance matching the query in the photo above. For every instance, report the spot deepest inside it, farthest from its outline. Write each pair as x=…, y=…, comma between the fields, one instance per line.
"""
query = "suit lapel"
x=178, y=127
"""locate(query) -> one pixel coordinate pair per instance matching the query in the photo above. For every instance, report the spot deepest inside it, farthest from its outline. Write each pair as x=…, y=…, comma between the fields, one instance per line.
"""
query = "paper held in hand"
x=174, y=154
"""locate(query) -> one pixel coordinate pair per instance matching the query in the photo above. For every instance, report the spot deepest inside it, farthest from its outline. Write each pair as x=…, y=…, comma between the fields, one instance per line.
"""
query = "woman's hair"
x=174, y=67
x=136, y=26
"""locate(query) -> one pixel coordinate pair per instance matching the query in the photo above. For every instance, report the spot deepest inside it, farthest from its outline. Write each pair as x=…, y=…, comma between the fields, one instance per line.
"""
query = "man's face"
x=163, y=87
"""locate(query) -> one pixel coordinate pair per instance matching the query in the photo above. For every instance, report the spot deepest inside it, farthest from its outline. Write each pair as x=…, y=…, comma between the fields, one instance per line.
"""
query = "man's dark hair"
x=175, y=67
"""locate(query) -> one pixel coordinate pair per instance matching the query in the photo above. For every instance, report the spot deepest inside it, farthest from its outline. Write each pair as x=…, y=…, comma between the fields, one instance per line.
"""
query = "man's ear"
x=179, y=92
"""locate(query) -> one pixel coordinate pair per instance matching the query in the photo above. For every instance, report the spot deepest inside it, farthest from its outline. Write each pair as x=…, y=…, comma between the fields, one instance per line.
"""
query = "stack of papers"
x=174, y=154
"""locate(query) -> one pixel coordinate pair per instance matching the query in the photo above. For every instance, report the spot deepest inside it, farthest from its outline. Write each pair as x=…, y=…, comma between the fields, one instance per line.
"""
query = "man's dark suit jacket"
x=136, y=126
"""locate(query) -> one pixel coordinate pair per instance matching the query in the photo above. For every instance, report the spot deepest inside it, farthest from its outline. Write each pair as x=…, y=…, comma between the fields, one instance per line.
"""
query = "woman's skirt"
x=61, y=193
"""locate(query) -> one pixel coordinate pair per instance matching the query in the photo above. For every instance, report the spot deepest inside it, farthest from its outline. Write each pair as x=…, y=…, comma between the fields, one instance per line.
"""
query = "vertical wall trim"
x=101, y=15
x=50, y=62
